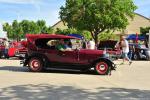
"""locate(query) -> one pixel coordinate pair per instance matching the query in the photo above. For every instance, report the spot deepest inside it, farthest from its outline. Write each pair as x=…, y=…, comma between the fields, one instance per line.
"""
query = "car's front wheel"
x=147, y=57
x=35, y=64
x=102, y=68
x=135, y=57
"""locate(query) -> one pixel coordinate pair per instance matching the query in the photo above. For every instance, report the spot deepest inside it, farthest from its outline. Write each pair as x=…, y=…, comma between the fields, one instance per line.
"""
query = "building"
x=133, y=27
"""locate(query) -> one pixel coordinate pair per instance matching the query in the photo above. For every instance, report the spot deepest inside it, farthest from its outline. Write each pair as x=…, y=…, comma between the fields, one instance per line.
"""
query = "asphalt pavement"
x=126, y=83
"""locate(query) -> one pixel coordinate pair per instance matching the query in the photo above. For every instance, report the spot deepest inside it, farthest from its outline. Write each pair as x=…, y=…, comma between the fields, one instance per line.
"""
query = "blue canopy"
x=77, y=36
x=133, y=37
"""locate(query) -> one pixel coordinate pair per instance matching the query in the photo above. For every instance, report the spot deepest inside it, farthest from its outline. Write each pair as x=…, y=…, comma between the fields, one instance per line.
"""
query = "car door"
x=67, y=57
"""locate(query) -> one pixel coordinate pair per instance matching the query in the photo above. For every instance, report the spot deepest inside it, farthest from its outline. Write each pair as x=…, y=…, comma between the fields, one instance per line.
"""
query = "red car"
x=18, y=49
x=42, y=53
x=109, y=46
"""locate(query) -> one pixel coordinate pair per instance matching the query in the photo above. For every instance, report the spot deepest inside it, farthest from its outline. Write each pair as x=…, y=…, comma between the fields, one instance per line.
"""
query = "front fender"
x=110, y=62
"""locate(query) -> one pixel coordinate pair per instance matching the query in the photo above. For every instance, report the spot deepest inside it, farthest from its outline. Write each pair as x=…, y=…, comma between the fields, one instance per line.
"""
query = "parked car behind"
x=139, y=51
x=111, y=51
x=17, y=49
x=42, y=53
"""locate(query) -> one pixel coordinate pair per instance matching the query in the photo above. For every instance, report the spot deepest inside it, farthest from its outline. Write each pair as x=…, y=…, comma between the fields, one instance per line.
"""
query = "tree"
x=42, y=26
x=108, y=36
x=144, y=30
x=8, y=29
x=97, y=16
x=17, y=30
x=84, y=33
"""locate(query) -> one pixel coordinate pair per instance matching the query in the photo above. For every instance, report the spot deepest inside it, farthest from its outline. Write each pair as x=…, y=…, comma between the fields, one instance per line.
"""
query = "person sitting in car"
x=67, y=44
x=61, y=45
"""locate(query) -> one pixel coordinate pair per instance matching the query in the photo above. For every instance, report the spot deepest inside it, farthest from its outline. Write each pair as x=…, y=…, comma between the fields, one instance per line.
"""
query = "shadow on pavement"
x=25, y=69
x=14, y=68
x=52, y=92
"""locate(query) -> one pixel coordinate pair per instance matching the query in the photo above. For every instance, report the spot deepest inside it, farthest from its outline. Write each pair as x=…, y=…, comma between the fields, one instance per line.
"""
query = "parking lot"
x=126, y=83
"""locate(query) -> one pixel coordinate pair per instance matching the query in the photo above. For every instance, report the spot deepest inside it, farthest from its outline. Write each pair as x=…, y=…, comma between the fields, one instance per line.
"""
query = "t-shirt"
x=91, y=45
x=60, y=47
x=125, y=46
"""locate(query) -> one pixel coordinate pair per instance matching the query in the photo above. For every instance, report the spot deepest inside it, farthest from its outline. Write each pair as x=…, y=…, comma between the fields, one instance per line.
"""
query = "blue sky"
x=30, y=9
x=46, y=10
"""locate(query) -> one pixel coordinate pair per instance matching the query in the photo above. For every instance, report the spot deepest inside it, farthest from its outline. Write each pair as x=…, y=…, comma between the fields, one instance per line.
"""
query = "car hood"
x=107, y=44
x=89, y=51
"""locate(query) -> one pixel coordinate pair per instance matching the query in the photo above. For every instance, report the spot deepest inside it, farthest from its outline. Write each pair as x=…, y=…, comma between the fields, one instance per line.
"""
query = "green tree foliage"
x=144, y=30
x=97, y=16
x=108, y=36
x=8, y=29
x=85, y=34
x=17, y=30
x=67, y=31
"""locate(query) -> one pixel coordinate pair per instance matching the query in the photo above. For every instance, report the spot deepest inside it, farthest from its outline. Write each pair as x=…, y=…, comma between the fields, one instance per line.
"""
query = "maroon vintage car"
x=42, y=53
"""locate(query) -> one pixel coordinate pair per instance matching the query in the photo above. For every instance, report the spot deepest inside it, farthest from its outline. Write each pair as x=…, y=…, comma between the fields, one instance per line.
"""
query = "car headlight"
x=142, y=51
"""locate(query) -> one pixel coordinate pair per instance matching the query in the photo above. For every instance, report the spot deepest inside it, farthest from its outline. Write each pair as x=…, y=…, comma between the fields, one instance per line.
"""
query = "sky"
x=47, y=10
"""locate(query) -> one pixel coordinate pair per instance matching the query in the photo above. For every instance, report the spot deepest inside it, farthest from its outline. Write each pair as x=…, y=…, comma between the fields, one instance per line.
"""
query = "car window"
x=142, y=46
x=46, y=43
x=76, y=43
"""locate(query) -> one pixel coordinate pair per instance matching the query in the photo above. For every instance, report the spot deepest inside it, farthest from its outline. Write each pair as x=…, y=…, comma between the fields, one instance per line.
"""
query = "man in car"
x=63, y=46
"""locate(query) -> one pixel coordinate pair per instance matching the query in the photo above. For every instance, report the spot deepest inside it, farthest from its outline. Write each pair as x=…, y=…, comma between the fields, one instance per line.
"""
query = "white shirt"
x=91, y=45
x=125, y=48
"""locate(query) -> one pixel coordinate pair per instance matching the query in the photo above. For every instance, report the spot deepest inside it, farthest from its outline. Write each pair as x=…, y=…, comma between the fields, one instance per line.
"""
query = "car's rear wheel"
x=35, y=64
x=102, y=68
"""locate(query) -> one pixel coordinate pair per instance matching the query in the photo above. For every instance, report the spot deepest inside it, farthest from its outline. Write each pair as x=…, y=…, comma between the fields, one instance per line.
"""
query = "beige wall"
x=60, y=25
x=133, y=27
x=136, y=23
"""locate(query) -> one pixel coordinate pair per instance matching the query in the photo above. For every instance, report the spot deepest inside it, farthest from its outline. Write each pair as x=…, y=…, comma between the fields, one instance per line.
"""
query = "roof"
x=143, y=16
x=55, y=36
x=56, y=23
x=134, y=12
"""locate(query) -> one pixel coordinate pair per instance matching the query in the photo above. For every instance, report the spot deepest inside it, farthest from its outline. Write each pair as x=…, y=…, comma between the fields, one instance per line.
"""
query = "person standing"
x=91, y=44
x=6, y=44
x=125, y=49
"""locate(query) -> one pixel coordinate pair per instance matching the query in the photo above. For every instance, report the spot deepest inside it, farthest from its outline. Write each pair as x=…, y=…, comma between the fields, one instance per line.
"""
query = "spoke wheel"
x=35, y=65
x=135, y=57
x=101, y=68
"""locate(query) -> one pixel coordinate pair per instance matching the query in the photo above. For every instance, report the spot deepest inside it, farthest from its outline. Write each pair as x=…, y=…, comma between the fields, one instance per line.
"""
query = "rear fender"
x=40, y=56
